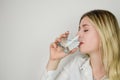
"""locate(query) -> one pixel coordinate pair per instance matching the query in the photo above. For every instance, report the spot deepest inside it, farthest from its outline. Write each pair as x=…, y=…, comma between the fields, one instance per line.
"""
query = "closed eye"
x=85, y=30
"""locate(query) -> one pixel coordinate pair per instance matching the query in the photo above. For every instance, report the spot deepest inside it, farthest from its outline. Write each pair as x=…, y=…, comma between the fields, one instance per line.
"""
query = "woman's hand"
x=57, y=53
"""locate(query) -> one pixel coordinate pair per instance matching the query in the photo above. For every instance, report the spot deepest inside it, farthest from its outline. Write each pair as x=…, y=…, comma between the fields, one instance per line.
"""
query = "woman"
x=99, y=36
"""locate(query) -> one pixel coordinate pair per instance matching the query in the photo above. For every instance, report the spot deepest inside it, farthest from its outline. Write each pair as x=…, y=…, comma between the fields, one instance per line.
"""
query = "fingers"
x=59, y=39
x=65, y=35
x=62, y=36
x=53, y=45
x=72, y=51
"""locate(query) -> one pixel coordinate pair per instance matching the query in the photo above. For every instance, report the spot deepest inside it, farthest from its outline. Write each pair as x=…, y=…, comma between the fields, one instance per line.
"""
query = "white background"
x=27, y=27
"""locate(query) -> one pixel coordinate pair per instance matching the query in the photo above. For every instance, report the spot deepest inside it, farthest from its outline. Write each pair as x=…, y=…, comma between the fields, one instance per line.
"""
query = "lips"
x=81, y=43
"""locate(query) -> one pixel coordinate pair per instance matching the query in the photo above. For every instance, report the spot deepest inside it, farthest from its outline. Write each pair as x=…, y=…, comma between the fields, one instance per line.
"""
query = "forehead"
x=85, y=22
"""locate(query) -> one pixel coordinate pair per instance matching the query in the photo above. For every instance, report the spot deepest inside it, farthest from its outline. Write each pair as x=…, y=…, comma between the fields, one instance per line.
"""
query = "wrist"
x=52, y=64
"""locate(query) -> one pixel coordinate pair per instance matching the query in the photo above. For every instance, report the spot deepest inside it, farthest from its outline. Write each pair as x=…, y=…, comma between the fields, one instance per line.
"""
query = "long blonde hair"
x=109, y=31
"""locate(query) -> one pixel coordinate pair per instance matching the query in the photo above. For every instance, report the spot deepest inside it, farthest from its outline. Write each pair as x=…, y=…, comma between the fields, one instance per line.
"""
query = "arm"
x=56, y=74
x=56, y=54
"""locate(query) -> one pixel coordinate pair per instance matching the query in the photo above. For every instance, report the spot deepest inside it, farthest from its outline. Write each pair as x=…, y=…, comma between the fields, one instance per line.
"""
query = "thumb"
x=73, y=51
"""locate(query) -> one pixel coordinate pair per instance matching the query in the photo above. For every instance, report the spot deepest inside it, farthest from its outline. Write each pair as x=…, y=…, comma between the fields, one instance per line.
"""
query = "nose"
x=80, y=34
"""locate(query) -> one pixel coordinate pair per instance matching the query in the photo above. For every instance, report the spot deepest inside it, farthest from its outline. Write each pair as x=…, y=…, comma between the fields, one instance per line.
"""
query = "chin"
x=82, y=51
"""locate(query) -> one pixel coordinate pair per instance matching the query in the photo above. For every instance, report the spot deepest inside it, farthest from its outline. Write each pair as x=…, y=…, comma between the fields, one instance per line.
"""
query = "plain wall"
x=27, y=27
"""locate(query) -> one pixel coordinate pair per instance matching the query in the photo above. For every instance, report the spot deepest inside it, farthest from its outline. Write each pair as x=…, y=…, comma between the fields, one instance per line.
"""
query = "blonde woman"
x=99, y=36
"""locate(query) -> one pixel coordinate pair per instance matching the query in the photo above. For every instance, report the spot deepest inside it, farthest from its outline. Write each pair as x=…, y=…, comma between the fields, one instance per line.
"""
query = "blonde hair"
x=109, y=31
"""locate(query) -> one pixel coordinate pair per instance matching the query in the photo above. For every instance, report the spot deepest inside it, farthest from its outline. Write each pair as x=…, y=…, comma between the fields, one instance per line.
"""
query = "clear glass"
x=68, y=45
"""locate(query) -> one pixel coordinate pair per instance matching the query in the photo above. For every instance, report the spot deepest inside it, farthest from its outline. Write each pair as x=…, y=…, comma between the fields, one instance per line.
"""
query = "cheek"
x=93, y=39
x=91, y=44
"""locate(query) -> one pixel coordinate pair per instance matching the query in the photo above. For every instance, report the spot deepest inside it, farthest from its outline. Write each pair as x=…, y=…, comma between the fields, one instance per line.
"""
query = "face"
x=88, y=36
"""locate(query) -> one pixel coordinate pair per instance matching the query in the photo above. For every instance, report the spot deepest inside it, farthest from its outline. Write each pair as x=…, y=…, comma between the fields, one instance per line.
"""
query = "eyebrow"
x=84, y=25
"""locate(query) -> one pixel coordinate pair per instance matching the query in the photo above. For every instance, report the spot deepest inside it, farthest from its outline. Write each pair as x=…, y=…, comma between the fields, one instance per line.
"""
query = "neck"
x=97, y=66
